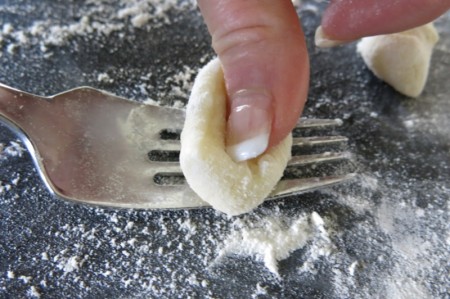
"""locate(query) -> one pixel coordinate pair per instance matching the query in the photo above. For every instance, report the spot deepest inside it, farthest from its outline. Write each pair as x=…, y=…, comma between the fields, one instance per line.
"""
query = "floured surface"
x=386, y=234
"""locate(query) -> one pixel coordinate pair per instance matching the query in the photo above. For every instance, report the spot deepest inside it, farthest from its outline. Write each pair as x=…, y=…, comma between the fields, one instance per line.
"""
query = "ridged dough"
x=401, y=59
x=230, y=187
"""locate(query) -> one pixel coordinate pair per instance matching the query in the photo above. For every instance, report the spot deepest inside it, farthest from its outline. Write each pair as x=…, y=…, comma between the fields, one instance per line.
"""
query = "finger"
x=261, y=47
x=345, y=21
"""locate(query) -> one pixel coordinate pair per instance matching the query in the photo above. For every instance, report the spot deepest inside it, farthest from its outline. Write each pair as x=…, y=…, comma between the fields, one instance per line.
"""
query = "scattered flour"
x=138, y=259
x=274, y=238
x=95, y=20
x=98, y=21
x=69, y=265
x=183, y=80
x=10, y=274
x=105, y=78
x=33, y=292
x=24, y=279
x=14, y=149
x=260, y=291
x=270, y=241
x=351, y=269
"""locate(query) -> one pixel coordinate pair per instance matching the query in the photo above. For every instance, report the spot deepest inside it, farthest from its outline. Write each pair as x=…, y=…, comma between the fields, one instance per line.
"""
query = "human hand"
x=262, y=50
x=345, y=21
x=263, y=53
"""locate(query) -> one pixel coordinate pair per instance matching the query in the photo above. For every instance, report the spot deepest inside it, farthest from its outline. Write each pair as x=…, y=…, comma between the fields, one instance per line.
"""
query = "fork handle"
x=15, y=105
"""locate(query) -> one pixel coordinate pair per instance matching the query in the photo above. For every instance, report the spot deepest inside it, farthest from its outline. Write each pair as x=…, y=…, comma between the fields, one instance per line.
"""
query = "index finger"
x=350, y=20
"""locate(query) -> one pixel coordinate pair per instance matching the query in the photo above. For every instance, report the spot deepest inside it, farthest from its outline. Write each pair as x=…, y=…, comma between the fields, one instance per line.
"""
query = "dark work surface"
x=389, y=229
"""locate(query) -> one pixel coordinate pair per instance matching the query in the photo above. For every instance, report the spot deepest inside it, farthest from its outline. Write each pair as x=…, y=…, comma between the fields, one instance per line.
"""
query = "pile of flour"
x=274, y=238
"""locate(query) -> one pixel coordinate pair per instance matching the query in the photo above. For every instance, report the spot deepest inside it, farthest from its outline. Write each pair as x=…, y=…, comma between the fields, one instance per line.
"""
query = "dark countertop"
x=389, y=229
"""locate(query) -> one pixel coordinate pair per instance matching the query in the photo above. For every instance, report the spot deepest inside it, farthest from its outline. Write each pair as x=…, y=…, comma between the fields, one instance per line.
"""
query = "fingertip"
x=351, y=20
x=322, y=40
x=249, y=124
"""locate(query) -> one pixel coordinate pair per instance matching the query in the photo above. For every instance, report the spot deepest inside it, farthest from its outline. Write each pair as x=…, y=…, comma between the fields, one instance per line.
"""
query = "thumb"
x=262, y=49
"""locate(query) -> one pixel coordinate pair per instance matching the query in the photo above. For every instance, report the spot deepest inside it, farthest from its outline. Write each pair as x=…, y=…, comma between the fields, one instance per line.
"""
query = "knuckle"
x=240, y=38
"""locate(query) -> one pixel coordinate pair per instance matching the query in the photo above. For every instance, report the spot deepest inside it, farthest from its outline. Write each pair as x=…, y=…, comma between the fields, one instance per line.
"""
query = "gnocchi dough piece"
x=401, y=59
x=231, y=187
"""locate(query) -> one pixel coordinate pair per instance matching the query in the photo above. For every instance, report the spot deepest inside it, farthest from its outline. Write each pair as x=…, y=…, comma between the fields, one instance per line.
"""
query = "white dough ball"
x=231, y=187
x=401, y=59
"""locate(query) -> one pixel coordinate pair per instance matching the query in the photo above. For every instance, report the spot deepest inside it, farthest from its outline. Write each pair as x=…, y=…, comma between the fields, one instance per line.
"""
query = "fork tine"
x=306, y=123
x=174, y=145
x=175, y=169
x=296, y=186
x=318, y=140
x=168, y=145
x=318, y=158
x=165, y=167
x=284, y=187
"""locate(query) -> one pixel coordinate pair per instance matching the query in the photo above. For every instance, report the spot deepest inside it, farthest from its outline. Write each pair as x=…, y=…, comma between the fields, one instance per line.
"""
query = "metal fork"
x=92, y=147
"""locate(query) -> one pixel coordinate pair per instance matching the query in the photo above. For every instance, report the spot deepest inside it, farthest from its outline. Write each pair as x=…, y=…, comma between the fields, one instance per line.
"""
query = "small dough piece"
x=401, y=59
x=230, y=187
